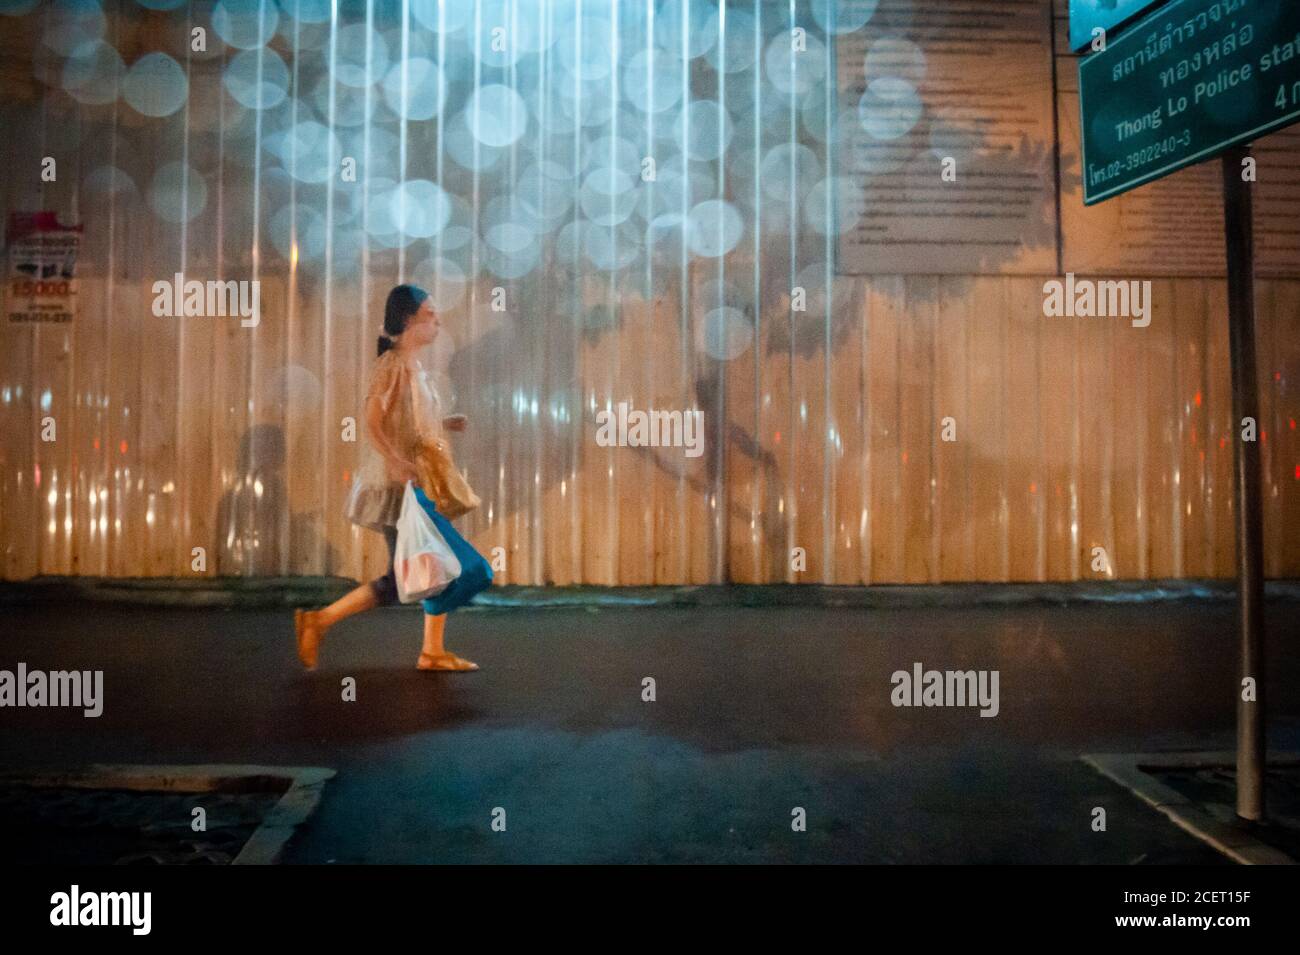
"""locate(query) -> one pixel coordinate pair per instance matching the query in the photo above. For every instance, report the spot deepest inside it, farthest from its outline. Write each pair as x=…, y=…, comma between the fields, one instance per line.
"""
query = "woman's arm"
x=404, y=469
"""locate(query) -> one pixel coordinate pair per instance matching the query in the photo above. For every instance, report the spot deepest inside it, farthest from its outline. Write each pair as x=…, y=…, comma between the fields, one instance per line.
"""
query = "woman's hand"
x=455, y=422
x=405, y=471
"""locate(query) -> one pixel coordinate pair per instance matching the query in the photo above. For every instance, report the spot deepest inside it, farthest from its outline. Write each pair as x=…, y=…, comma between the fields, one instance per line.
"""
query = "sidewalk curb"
x=285, y=592
x=305, y=786
x=1126, y=769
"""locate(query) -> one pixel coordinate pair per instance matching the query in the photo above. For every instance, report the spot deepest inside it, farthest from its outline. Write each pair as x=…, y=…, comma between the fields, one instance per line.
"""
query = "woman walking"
x=407, y=442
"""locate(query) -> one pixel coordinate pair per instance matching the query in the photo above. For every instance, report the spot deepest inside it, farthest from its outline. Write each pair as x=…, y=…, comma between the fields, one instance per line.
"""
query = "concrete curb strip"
x=1128, y=770
x=303, y=787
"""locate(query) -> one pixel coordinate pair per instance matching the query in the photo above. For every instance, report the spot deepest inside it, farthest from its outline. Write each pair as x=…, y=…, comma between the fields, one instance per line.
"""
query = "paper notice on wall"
x=41, y=269
x=949, y=146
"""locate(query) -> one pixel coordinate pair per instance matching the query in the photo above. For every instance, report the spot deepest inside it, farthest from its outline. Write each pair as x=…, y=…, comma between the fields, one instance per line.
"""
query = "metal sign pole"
x=1240, y=235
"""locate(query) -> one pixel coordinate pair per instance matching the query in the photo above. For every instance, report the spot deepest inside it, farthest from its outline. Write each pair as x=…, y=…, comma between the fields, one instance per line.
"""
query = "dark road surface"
x=758, y=711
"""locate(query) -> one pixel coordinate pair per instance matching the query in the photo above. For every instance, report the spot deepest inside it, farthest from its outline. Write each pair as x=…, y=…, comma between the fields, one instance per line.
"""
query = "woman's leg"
x=312, y=624
x=433, y=655
x=355, y=601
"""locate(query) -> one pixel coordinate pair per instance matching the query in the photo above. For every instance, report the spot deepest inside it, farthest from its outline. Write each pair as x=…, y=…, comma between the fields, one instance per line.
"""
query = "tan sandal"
x=446, y=662
x=309, y=637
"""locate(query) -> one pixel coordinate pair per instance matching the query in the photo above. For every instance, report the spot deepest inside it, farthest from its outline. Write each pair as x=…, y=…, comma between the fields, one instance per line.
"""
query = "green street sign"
x=1189, y=81
x=1089, y=15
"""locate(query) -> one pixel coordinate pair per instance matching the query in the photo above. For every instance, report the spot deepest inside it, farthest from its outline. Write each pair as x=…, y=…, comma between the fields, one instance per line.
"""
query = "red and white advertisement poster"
x=41, y=271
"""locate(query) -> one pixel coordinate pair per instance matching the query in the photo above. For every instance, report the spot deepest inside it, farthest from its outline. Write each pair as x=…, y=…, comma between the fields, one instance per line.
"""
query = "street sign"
x=1089, y=15
x=1186, y=83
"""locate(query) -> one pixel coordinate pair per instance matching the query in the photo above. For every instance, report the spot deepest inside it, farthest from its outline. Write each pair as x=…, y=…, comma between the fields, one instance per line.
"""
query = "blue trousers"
x=475, y=571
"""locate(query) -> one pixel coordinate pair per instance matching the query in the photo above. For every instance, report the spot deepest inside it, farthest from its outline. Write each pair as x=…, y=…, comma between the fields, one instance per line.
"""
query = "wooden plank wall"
x=1071, y=434
x=823, y=435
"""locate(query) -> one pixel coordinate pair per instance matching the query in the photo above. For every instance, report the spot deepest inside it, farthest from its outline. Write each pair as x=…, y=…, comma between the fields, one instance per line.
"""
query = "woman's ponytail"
x=385, y=343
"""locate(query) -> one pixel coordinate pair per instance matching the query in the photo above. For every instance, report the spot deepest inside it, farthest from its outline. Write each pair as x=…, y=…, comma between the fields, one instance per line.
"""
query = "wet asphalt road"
x=757, y=712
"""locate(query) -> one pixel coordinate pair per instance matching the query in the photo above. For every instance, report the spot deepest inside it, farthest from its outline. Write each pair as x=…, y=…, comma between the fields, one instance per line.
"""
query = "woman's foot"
x=309, y=636
x=445, y=661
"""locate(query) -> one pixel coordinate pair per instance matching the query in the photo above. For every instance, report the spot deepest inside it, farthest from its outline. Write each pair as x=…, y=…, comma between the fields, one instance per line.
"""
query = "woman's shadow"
x=386, y=702
x=258, y=534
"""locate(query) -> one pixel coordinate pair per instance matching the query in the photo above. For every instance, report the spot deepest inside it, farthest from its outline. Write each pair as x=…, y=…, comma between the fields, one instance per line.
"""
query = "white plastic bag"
x=423, y=563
